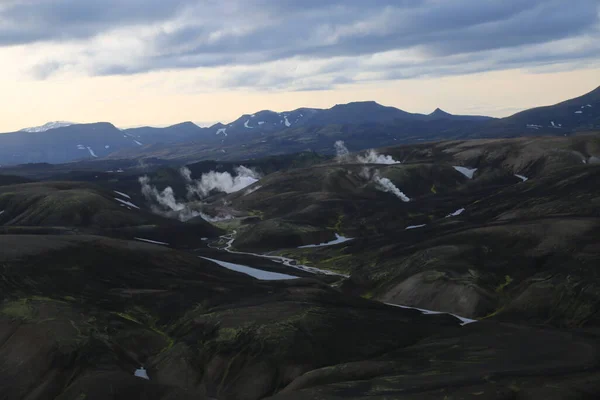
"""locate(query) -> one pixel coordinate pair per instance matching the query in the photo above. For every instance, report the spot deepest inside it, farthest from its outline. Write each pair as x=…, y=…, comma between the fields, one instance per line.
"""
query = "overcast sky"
x=157, y=62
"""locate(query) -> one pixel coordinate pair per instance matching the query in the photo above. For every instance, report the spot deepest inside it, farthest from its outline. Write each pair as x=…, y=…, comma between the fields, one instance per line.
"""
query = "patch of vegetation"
x=507, y=281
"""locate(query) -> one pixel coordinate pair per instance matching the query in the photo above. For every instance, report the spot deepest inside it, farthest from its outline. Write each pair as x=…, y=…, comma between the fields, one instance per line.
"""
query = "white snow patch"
x=521, y=177
x=256, y=273
x=141, y=373
x=92, y=152
x=121, y=194
x=579, y=112
x=253, y=115
x=534, y=126
x=2, y=212
x=338, y=239
x=107, y=147
x=261, y=122
x=414, y=227
x=222, y=130
x=456, y=213
x=468, y=172
x=47, y=126
x=287, y=123
x=127, y=203
x=151, y=241
x=138, y=143
x=554, y=125
x=80, y=147
x=246, y=125
x=464, y=320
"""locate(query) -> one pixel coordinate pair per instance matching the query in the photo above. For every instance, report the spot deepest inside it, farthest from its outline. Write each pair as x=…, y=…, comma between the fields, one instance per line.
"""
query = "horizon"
x=186, y=60
x=208, y=124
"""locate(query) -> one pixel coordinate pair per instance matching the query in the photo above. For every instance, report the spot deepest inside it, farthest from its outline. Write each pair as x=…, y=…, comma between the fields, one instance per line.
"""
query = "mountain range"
x=360, y=124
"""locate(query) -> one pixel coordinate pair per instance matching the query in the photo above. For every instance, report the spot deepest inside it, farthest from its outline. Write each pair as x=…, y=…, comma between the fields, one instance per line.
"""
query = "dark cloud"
x=28, y=21
x=453, y=36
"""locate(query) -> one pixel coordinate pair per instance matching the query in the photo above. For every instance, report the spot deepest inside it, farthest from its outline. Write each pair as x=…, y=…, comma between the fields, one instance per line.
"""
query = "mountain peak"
x=438, y=112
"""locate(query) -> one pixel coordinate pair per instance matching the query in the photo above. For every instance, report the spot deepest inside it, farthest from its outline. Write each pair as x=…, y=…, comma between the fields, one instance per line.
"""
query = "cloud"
x=290, y=45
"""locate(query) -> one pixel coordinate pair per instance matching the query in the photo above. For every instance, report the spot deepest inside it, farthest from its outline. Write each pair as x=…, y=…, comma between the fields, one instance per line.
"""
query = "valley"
x=455, y=269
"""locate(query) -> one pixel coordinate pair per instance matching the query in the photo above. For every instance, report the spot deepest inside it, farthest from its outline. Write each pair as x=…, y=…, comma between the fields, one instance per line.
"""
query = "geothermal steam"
x=341, y=151
x=383, y=184
x=219, y=181
x=371, y=156
x=197, y=189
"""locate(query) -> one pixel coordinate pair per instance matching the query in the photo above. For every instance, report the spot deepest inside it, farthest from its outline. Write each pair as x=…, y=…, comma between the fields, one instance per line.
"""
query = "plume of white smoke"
x=341, y=151
x=219, y=181
x=372, y=157
x=383, y=184
x=167, y=203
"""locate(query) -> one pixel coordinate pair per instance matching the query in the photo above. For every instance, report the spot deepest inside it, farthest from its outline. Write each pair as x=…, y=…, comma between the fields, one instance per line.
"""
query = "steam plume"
x=166, y=204
x=341, y=151
x=372, y=157
x=385, y=185
x=219, y=181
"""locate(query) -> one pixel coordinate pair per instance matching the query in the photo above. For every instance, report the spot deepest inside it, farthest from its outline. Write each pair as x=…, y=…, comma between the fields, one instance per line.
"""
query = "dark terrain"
x=85, y=303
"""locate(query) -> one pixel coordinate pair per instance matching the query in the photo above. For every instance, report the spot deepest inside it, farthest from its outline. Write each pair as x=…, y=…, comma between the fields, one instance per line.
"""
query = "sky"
x=157, y=62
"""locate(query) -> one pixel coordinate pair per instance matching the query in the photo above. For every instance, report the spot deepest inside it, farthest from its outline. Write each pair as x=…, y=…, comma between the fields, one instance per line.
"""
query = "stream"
x=288, y=262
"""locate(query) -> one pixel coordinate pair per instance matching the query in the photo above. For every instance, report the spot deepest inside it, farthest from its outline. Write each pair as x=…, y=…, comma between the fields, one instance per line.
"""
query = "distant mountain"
x=578, y=114
x=361, y=124
x=64, y=144
x=47, y=126
x=438, y=113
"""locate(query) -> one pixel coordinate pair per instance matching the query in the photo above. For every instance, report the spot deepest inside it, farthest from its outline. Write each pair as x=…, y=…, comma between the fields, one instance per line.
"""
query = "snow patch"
x=80, y=147
x=338, y=239
x=533, y=126
x=107, y=147
x=141, y=373
x=464, y=320
x=579, y=112
x=2, y=212
x=414, y=227
x=456, y=213
x=151, y=241
x=222, y=130
x=253, y=272
x=287, y=123
x=261, y=122
x=468, y=172
x=122, y=194
x=47, y=126
x=246, y=125
x=126, y=203
x=138, y=143
x=92, y=152
x=521, y=177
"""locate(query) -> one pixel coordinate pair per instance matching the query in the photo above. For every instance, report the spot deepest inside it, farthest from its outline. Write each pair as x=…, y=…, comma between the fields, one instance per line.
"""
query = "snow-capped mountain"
x=47, y=126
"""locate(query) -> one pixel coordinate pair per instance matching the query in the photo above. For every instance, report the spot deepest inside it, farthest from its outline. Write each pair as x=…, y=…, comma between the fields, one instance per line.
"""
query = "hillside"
x=286, y=298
